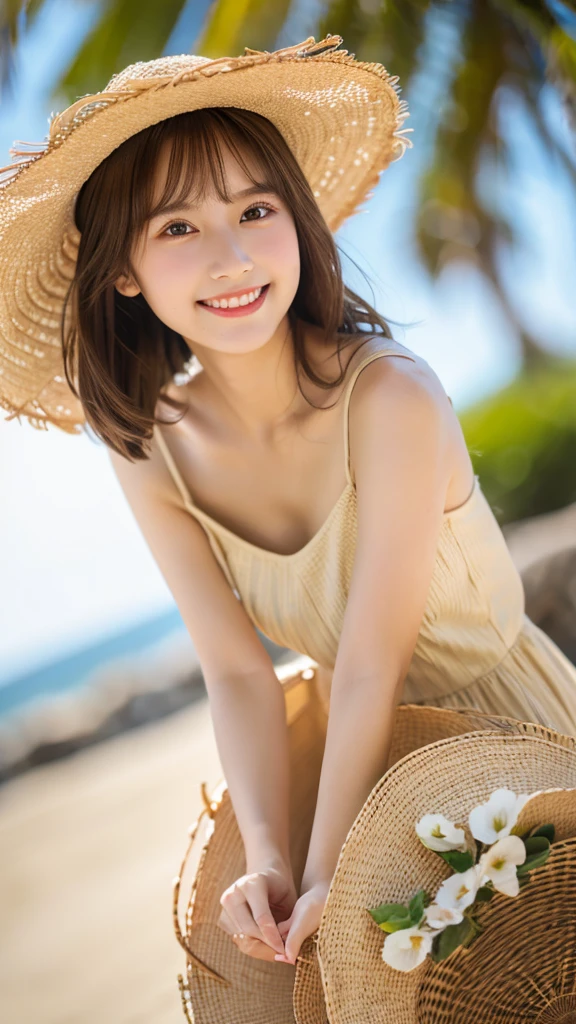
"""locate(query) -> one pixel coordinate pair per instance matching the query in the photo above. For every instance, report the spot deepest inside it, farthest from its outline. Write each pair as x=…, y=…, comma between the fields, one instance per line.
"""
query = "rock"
x=550, y=587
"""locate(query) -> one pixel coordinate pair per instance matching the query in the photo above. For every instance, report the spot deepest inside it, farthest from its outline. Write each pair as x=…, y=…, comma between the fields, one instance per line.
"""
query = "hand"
x=251, y=907
x=303, y=921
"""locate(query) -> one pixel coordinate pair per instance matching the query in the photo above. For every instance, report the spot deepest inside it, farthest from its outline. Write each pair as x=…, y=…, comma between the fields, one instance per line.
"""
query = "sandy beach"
x=90, y=846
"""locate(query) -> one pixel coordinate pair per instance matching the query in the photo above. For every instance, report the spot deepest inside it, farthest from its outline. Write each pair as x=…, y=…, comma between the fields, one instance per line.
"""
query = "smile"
x=235, y=306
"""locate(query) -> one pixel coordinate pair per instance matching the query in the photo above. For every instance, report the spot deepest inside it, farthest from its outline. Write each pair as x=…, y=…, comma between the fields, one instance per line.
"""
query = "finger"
x=293, y=941
x=245, y=943
x=253, y=947
x=256, y=891
x=225, y=922
x=241, y=900
x=257, y=896
x=236, y=906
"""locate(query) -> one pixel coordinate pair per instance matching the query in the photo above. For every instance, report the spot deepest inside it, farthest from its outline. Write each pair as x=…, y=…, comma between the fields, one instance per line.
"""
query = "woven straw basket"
x=441, y=759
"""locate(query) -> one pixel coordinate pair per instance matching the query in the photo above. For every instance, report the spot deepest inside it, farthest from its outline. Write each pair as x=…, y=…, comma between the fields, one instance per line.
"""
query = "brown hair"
x=121, y=353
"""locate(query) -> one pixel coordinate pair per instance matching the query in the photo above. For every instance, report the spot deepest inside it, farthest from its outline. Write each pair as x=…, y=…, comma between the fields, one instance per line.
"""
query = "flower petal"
x=438, y=917
x=495, y=819
x=459, y=891
x=406, y=949
x=439, y=834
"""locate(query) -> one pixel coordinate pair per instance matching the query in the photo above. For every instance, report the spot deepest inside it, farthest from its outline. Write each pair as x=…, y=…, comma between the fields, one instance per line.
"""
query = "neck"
x=256, y=391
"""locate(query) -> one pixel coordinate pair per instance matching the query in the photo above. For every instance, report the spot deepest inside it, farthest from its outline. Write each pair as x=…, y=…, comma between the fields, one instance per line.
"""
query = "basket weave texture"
x=439, y=759
x=384, y=861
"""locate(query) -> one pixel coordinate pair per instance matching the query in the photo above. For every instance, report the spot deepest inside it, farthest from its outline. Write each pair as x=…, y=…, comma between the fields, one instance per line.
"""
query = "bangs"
x=195, y=165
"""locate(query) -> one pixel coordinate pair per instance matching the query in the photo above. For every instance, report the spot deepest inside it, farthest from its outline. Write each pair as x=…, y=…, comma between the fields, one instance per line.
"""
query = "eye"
x=176, y=224
x=259, y=206
x=181, y=223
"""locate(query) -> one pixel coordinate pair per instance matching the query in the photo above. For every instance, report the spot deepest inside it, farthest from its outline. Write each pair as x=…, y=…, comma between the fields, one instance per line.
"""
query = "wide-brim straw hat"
x=223, y=983
x=342, y=119
x=522, y=967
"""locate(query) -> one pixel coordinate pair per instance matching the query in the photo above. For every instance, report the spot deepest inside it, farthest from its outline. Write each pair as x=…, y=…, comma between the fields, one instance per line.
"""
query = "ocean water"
x=78, y=667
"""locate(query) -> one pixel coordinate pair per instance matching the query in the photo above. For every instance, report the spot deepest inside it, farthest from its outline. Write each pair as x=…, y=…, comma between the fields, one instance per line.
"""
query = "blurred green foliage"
x=522, y=442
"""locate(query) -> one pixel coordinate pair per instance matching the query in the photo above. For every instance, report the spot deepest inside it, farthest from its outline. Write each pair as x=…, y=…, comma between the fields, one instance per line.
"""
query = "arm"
x=246, y=699
x=400, y=438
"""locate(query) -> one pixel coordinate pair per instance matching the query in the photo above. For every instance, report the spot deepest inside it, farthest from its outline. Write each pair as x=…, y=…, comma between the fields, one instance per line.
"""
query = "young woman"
x=330, y=502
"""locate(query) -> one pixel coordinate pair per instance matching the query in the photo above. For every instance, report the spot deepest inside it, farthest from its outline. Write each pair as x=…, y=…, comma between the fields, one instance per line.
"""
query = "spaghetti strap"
x=172, y=467
x=383, y=351
x=214, y=541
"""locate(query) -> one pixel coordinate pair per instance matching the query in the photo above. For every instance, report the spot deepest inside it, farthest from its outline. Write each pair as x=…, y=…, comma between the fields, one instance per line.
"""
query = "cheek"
x=168, y=280
x=279, y=252
x=168, y=264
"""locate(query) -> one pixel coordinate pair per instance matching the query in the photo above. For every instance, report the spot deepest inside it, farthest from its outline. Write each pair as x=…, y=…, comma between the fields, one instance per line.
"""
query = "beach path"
x=89, y=847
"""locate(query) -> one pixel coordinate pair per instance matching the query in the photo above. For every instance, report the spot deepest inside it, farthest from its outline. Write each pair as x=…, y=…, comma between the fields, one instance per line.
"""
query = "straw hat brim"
x=259, y=992
x=250, y=991
x=384, y=861
x=341, y=118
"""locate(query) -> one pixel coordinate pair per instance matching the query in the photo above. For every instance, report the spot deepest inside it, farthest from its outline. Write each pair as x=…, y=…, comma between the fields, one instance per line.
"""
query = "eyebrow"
x=242, y=194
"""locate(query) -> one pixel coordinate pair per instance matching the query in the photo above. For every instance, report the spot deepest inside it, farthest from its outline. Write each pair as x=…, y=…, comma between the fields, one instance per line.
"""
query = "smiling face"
x=196, y=246
x=143, y=271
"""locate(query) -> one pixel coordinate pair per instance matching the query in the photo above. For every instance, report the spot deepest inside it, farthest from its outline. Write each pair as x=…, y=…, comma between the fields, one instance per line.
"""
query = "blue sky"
x=76, y=567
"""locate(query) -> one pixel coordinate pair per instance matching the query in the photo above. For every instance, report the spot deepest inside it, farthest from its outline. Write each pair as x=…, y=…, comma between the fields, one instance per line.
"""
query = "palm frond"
x=234, y=24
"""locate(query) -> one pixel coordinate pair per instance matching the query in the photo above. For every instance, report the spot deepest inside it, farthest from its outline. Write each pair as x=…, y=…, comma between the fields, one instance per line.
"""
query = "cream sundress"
x=476, y=646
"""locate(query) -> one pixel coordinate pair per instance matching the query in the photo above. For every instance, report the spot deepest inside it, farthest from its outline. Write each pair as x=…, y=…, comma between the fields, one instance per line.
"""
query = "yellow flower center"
x=462, y=892
x=437, y=832
x=498, y=823
x=499, y=863
x=416, y=942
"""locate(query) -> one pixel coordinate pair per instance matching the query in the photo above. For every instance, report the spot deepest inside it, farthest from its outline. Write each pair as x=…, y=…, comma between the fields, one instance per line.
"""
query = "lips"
x=233, y=295
x=238, y=311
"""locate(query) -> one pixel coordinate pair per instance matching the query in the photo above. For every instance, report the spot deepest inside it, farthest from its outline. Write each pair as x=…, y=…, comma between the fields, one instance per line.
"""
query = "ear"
x=126, y=286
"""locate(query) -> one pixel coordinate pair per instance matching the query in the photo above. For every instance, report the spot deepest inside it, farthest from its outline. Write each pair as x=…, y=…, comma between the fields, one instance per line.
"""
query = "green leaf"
x=416, y=907
x=536, y=844
x=548, y=831
x=522, y=834
x=452, y=937
x=391, y=917
x=537, y=853
x=484, y=894
x=458, y=860
x=475, y=932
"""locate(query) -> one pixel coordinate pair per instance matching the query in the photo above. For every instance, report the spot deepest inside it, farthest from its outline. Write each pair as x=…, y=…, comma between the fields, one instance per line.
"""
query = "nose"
x=231, y=261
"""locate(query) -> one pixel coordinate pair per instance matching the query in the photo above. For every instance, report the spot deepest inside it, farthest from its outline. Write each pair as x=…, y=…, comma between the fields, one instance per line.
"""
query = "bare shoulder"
x=144, y=477
x=400, y=378
x=399, y=406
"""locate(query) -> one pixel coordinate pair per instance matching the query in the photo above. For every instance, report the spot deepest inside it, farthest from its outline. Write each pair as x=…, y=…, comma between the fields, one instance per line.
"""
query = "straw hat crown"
x=342, y=118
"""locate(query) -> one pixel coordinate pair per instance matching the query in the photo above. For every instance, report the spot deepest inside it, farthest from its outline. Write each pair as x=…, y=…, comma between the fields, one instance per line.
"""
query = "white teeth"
x=243, y=300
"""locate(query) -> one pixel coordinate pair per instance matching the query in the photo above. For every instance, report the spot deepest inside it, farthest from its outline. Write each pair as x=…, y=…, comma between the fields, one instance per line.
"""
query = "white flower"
x=496, y=818
x=439, y=834
x=499, y=864
x=459, y=891
x=439, y=918
x=407, y=948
